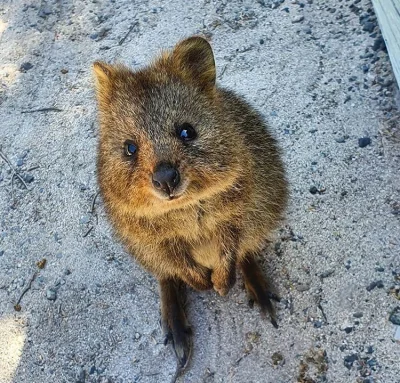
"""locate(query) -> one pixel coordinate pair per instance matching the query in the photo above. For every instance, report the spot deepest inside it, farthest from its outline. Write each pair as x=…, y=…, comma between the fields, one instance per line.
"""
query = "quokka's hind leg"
x=174, y=323
x=258, y=288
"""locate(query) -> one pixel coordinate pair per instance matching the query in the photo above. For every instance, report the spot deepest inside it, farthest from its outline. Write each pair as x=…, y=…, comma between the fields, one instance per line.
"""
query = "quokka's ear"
x=105, y=76
x=194, y=59
x=103, y=72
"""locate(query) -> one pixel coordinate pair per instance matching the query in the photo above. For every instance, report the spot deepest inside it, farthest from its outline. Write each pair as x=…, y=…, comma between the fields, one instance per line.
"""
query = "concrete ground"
x=320, y=74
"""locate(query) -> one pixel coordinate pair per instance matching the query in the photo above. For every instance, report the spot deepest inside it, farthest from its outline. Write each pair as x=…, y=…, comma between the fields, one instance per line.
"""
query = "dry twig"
x=42, y=110
x=120, y=42
x=17, y=306
x=15, y=174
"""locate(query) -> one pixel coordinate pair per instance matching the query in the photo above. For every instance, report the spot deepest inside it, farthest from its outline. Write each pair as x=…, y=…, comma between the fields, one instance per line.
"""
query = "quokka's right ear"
x=103, y=72
x=194, y=60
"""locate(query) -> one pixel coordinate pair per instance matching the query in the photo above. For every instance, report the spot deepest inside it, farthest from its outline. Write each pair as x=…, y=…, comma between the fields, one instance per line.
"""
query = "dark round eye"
x=186, y=132
x=130, y=148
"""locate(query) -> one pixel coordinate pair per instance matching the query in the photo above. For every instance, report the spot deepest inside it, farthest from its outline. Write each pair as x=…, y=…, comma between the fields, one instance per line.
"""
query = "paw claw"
x=181, y=342
x=222, y=291
x=167, y=338
x=273, y=296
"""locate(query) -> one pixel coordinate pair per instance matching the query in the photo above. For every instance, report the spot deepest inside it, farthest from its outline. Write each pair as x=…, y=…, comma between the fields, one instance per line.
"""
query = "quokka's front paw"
x=223, y=280
x=198, y=278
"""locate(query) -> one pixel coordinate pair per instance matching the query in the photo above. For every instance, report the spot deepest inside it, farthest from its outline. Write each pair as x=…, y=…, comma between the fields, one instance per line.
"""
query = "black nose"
x=166, y=177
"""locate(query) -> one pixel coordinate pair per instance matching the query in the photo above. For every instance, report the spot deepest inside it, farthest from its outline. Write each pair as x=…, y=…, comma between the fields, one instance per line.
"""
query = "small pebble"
x=1, y=253
x=84, y=220
x=20, y=162
x=358, y=315
x=379, y=44
x=340, y=140
x=327, y=273
x=318, y=324
x=379, y=269
x=348, y=330
x=297, y=19
x=67, y=271
x=349, y=360
x=371, y=286
x=365, y=68
x=275, y=4
x=92, y=370
x=57, y=237
x=395, y=316
x=51, y=294
x=47, y=11
x=303, y=287
x=370, y=350
x=29, y=178
x=313, y=190
x=25, y=67
x=369, y=27
x=364, y=141
x=387, y=83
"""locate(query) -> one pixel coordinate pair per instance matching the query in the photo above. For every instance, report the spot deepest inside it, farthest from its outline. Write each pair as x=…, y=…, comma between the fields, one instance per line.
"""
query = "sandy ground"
x=321, y=76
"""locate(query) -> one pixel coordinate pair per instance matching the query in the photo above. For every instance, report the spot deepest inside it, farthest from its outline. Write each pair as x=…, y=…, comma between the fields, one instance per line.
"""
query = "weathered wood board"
x=388, y=13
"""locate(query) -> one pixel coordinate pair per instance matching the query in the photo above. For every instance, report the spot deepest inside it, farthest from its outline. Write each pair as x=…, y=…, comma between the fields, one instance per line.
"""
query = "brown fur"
x=233, y=189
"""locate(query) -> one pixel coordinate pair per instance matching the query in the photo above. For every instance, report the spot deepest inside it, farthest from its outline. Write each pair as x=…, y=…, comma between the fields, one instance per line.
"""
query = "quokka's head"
x=164, y=139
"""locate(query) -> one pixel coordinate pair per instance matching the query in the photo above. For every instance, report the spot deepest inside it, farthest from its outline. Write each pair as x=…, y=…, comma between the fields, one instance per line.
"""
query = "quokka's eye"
x=130, y=148
x=186, y=132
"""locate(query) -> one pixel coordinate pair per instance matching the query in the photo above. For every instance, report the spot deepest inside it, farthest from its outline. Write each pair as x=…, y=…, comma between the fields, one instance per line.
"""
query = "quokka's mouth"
x=177, y=194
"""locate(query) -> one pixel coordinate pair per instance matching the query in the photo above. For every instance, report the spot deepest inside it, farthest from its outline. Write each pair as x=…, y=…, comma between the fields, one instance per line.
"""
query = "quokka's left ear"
x=194, y=59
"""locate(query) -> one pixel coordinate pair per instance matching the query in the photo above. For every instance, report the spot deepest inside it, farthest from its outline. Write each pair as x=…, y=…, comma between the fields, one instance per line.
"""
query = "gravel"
x=298, y=78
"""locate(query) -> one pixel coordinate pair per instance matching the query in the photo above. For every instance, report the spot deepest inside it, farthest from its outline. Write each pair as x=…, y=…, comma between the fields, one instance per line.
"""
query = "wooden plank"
x=388, y=13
